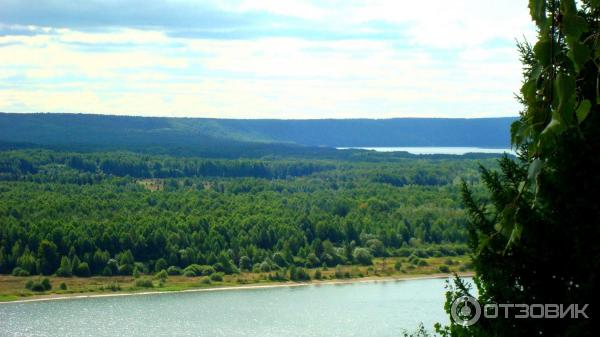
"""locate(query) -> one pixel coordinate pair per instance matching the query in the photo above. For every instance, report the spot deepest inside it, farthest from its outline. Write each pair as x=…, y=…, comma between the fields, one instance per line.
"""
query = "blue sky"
x=263, y=59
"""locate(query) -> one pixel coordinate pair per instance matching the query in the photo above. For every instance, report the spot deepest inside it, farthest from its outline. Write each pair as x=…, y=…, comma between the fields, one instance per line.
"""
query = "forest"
x=118, y=213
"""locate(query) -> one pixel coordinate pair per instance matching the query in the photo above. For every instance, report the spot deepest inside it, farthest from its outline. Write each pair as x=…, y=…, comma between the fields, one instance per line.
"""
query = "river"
x=362, y=309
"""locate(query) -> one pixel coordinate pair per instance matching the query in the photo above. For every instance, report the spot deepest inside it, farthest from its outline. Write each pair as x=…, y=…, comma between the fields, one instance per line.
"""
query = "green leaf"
x=578, y=52
x=534, y=169
x=595, y=4
x=568, y=6
x=583, y=110
x=565, y=87
x=542, y=51
x=574, y=26
x=537, y=9
x=515, y=235
x=528, y=90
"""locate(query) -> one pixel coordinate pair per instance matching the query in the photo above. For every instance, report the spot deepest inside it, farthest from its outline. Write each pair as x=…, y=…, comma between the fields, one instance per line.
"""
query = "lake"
x=433, y=150
x=362, y=309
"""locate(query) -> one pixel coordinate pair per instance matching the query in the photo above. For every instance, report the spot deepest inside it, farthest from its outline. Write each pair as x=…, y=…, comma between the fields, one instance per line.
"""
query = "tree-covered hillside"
x=235, y=138
x=109, y=213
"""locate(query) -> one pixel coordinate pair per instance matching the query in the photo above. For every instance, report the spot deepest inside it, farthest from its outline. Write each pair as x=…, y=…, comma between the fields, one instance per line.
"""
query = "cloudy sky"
x=262, y=59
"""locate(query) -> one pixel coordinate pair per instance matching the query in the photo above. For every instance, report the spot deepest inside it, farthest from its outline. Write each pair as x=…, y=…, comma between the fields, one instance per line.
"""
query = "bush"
x=265, y=267
x=362, y=256
x=126, y=269
x=318, y=275
x=205, y=280
x=46, y=283
x=65, y=269
x=83, y=270
x=216, y=277
x=63, y=286
x=18, y=271
x=198, y=270
x=160, y=265
x=39, y=285
x=162, y=276
x=299, y=274
x=106, y=271
x=398, y=265
x=444, y=269
x=422, y=263
x=144, y=283
x=245, y=263
x=173, y=270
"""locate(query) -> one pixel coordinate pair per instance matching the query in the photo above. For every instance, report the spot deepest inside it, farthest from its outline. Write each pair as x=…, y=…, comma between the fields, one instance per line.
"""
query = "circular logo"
x=465, y=310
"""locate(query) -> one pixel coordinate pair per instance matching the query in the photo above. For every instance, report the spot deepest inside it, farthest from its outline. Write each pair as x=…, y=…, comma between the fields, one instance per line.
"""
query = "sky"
x=263, y=59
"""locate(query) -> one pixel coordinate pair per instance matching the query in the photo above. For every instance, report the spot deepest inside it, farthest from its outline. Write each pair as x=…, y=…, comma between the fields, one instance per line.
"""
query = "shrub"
x=362, y=256
x=83, y=270
x=299, y=274
x=144, y=283
x=245, y=263
x=173, y=270
x=198, y=270
x=422, y=263
x=338, y=272
x=205, y=280
x=18, y=271
x=398, y=265
x=136, y=272
x=39, y=285
x=160, y=265
x=36, y=286
x=216, y=277
x=46, y=283
x=106, y=271
x=162, y=276
x=63, y=286
x=126, y=269
x=318, y=275
x=65, y=269
x=444, y=269
x=265, y=267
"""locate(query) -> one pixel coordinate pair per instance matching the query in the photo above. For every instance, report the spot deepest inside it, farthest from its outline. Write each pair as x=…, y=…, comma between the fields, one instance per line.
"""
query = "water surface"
x=433, y=150
x=357, y=309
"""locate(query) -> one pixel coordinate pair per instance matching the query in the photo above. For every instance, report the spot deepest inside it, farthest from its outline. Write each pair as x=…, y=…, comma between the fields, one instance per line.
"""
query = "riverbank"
x=158, y=291
x=14, y=289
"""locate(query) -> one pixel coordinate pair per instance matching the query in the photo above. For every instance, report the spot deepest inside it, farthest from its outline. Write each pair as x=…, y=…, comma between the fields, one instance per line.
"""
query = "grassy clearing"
x=13, y=288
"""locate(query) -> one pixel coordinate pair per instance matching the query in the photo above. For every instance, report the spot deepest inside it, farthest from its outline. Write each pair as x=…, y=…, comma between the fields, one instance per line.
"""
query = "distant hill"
x=236, y=137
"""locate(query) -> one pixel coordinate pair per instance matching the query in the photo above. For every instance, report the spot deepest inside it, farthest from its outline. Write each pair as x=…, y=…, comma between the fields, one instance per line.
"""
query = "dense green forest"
x=109, y=213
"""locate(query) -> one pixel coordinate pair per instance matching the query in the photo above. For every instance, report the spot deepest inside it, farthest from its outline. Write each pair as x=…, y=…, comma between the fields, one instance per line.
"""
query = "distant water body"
x=433, y=150
x=358, y=309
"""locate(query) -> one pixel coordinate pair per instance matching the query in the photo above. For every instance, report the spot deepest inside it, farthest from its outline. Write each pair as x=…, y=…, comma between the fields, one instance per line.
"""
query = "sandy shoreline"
x=57, y=297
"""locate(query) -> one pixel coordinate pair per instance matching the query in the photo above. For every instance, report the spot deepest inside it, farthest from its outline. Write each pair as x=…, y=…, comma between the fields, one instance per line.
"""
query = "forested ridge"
x=109, y=213
x=233, y=138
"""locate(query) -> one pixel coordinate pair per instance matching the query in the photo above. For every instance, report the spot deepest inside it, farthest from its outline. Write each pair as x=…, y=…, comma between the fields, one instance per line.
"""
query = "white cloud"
x=454, y=59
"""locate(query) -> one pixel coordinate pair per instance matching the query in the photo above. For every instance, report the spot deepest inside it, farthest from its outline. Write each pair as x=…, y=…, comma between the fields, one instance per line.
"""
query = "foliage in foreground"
x=535, y=241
